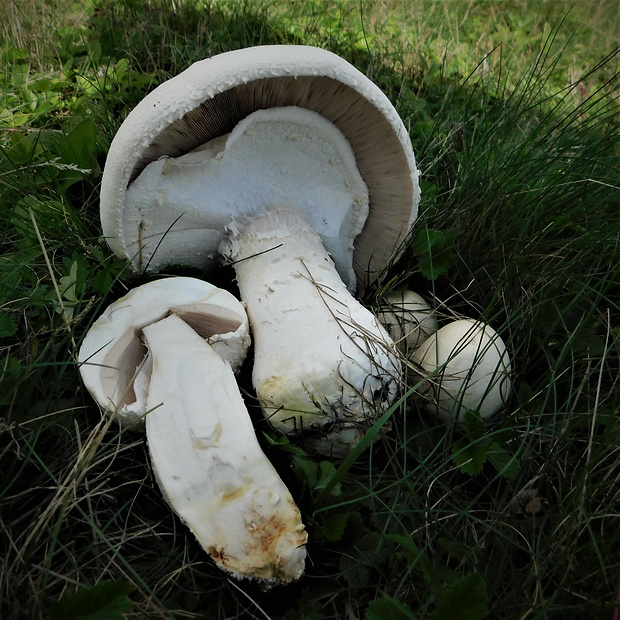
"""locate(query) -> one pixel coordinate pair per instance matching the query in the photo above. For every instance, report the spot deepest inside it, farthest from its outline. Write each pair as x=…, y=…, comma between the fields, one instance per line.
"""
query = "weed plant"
x=519, y=225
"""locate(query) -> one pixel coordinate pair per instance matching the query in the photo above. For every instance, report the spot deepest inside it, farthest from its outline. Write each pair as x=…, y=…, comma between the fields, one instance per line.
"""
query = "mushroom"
x=147, y=358
x=408, y=319
x=468, y=368
x=296, y=168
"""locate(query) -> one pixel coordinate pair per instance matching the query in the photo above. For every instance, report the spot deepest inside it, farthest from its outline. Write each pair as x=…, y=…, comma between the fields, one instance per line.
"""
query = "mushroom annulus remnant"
x=164, y=354
x=468, y=368
x=291, y=164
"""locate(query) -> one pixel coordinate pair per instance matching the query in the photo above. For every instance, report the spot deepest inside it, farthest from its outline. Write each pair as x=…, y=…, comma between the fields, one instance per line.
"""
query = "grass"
x=520, y=224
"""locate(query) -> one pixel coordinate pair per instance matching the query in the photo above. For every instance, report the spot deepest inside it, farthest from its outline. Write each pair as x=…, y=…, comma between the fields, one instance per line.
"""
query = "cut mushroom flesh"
x=208, y=462
x=147, y=358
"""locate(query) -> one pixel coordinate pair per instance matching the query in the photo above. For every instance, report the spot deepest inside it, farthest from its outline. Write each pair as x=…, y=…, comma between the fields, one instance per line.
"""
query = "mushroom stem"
x=322, y=360
x=208, y=462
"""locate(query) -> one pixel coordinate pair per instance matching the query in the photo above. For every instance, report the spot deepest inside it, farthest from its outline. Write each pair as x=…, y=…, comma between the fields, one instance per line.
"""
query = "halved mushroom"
x=280, y=156
x=209, y=464
x=165, y=353
x=114, y=364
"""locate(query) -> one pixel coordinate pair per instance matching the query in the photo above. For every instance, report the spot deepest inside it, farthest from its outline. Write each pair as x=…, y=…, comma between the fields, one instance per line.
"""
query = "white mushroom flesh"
x=468, y=368
x=322, y=361
x=208, y=462
x=114, y=364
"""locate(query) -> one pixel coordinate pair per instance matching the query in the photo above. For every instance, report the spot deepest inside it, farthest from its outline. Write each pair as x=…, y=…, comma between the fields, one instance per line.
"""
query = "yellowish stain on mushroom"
x=208, y=441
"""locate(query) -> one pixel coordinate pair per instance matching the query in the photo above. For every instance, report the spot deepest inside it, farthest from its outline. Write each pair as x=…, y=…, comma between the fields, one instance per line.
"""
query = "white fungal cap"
x=114, y=364
x=468, y=368
x=212, y=96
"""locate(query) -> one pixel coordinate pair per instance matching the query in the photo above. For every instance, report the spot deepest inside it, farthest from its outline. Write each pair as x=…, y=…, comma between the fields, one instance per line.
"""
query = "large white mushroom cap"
x=210, y=98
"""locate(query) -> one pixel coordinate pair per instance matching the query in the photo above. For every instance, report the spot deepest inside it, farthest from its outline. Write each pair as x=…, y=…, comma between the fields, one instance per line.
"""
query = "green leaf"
x=24, y=149
x=371, y=548
x=365, y=550
x=68, y=283
x=306, y=470
x=354, y=572
x=473, y=423
x=503, y=460
x=333, y=525
x=316, y=475
x=104, y=279
x=19, y=74
x=434, y=249
x=107, y=600
x=413, y=554
x=282, y=442
x=77, y=152
x=434, y=573
x=465, y=599
x=8, y=326
x=388, y=608
x=469, y=457
x=327, y=471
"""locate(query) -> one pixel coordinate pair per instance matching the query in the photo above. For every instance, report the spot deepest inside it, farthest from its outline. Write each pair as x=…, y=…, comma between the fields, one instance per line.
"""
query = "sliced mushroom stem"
x=209, y=464
x=322, y=360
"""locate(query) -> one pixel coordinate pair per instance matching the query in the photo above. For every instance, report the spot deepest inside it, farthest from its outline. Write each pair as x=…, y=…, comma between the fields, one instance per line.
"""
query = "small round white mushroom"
x=297, y=137
x=468, y=368
x=408, y=319
x=165, y=353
